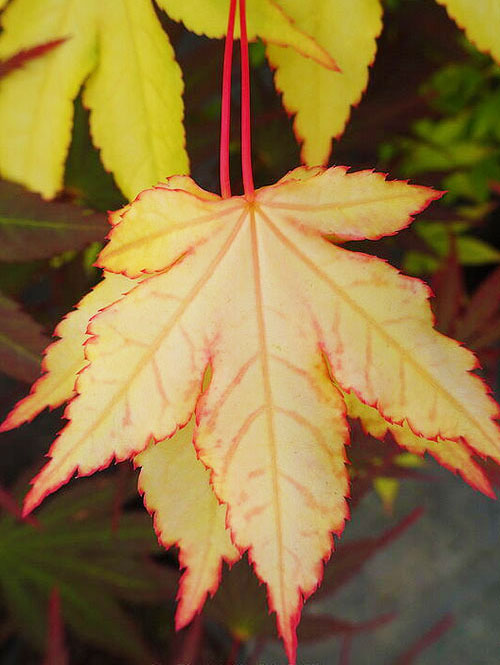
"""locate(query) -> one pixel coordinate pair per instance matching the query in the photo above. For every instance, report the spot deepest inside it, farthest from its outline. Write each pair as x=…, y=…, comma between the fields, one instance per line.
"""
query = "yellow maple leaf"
x=321, y=98
x=481, y=21
x=249, y=287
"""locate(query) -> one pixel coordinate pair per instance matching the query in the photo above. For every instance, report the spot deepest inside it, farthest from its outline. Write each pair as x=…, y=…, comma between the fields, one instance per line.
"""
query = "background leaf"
x=31, y=228
x=139, y=127
x=34, y=148
x=95, y=568
x=480, y=20
x=322, y=98
x=21, y=342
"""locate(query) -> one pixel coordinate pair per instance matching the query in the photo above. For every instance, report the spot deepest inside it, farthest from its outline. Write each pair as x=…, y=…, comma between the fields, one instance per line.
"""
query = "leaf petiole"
x=225, y=123
x=246, y=148
x=246, y=144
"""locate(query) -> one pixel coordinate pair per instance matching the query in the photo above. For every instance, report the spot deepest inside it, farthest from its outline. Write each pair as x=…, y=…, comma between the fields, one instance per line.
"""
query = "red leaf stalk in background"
x=56, y=650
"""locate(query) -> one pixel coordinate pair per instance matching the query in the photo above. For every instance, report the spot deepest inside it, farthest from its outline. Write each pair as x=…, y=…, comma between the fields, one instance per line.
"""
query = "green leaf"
x=94, y=567
x=470, y=250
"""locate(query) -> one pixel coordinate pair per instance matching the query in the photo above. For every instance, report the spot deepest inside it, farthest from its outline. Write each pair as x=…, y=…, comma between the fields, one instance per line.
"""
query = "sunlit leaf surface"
x=286, y=324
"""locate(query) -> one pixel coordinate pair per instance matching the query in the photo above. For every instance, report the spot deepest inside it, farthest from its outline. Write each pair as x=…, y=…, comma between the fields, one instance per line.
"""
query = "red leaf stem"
x=56, y=653
x=345, y=651
x=235, y=648
x=246, y=143
x=225, y=122
x=431, y=636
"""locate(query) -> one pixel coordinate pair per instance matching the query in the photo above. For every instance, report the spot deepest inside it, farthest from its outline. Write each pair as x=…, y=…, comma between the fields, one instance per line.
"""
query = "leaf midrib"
x=153, y=147
x=269, y=402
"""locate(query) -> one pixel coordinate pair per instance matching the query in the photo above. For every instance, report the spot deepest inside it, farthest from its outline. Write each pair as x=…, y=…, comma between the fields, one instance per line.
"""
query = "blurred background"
x=416, y=578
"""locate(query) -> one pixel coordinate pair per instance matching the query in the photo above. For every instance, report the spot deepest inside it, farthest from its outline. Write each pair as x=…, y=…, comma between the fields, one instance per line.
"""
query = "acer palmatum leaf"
x=249, y=287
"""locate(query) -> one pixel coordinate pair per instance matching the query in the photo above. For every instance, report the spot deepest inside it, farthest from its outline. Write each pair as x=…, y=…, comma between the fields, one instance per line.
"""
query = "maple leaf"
x=138, y=128
x=322, y=102
x=289, y=324
x=96, y=568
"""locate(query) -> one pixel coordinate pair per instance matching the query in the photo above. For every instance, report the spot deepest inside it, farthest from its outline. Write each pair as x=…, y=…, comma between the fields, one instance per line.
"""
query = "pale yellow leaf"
x=321, y=99
x=248, y=288
x=176, y=488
